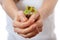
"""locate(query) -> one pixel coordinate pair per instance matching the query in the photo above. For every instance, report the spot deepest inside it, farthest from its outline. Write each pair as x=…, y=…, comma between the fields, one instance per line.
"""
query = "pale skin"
x=24, y=26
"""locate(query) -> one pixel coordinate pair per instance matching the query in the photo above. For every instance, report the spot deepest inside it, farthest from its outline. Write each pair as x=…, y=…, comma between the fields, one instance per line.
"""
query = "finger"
x=29, y=29
x=29, y=35
x=26, y=24
x=21, y=24
x=17, y=24
x=32, y=34
x=34, y=17
x=29, y=22
x=23, y=18
x=25, y=31
x=39, y=29
x=39, y=24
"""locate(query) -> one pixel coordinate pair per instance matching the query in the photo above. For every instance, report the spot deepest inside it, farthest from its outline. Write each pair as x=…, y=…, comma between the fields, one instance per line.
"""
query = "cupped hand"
x=28, y=27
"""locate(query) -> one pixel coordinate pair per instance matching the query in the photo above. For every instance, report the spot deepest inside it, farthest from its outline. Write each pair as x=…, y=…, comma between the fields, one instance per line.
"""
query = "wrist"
x=43, y=13
x=15, y=15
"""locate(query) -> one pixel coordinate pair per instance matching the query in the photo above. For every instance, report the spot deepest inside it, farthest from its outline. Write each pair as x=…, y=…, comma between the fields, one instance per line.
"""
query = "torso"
x=23, y=3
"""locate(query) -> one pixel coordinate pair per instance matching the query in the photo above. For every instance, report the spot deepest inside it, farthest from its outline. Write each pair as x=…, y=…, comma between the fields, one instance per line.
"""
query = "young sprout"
x=29, y=11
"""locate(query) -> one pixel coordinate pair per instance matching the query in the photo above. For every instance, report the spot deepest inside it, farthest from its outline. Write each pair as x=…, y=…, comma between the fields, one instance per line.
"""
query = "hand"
x=21, y=23
x=29, y=28
x=20, y=17
x=38, y=24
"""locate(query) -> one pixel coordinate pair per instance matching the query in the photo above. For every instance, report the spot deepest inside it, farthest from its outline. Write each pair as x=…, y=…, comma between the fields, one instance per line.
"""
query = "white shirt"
x=48, y=24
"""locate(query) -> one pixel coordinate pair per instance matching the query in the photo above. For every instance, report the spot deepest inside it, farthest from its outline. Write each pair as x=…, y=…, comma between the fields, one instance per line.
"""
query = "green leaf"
x=26, y=12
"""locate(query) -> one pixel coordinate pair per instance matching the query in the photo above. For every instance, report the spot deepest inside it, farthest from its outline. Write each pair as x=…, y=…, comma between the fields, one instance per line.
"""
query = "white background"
x=3, y=22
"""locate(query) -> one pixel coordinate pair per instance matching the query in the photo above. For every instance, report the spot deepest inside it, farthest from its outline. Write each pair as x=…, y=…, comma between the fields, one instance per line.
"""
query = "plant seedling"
x=29, y=11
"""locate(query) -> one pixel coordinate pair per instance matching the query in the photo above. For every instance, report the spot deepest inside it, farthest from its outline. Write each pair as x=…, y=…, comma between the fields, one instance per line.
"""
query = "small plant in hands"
x=29, y=11
x=28, y=23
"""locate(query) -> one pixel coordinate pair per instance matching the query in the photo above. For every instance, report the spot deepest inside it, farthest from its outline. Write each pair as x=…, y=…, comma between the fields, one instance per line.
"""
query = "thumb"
x=34, y=17
x=22, y=17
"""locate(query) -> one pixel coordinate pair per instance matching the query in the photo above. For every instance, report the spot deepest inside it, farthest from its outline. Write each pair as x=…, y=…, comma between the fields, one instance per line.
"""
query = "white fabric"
x=48, y=27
